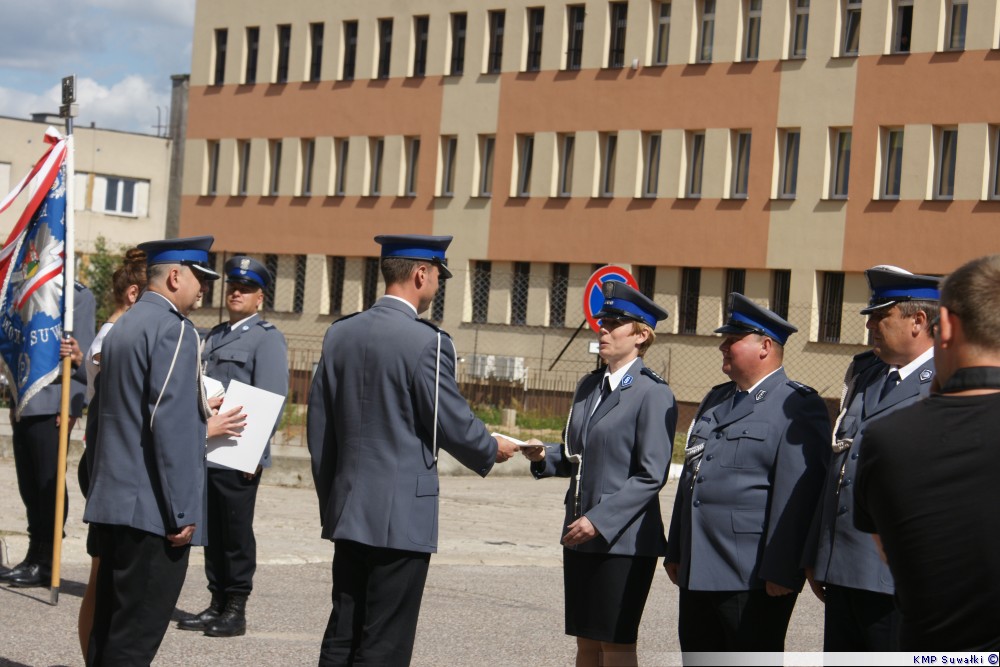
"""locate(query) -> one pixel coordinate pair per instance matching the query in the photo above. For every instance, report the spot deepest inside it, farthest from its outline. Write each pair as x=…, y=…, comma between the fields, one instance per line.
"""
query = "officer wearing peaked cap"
x=383, y=400
x=146, y=499
x=844, y=566
x=753, y=468
x=250, y=350
x=616, y=451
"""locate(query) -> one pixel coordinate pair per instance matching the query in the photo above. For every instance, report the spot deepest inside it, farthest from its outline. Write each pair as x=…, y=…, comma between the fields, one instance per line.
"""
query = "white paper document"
x=519, y=443
x=213, y=388
x=262, y=408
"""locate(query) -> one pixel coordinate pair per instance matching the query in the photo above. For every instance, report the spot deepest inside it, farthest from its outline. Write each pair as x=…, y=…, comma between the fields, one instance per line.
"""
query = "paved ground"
x=493, y=596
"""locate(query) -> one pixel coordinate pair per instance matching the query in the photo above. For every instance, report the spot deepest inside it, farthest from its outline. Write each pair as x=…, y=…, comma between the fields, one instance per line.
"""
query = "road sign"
x=593, y=293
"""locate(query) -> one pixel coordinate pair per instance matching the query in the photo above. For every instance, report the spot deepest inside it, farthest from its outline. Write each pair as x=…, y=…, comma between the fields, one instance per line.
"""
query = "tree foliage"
x=97, y=274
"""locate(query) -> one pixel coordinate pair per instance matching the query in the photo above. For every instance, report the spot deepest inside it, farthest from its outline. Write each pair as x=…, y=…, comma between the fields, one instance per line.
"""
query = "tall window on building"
x=421, y=34
x=494, y=58
x=651, y=164
x=119, y=195
x=350, y=49
x=284, y=51
x=449, y=153
x=736, y=281
x=369, y=283
x=458, y=27
x=661, y=47
x=696, y=162
x=212, y=186
x=219, y=72
x=412, y=165
x=384, y=47
x=645, y=276
x=340, y=148
x=789, y=167
x=536, y=28
x=243, y=176
x=609, y=158
x=616, y=45
x=994, y=185
x=481, y=291
x=253, y=53
x=566, y=144
x=575, y=15
x=687, y=315
x=557, y=294
x=706, y=31
x=946, y=149
x=852, y=28
x=519, y=293
x=892, y=162
x=274, y=168
x=487, y=147
x=338, y=269
x=308, y=159
x=271, y=262
x=315, y=51
x=437, y=306
x=525, y=157
x=751, y=33
x=841, y=171
x=831, y=306
x=299, y=295
x=209, y=296
x=781, y=283
x=376, y=147
x=800, y=28
x=741, y=164
x=958, y=14
x=902, y=26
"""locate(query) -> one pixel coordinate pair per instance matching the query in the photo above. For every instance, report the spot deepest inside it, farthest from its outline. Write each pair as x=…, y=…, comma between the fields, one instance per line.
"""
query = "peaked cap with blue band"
x=746, y=317
x=891, y=285
x=418, y=247
x=624, y=302
x=191, y=251
x=247, y=270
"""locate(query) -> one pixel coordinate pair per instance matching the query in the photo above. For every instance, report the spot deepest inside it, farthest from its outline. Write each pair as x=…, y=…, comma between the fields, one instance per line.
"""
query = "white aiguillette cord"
x=573, y=458
x=437, y=388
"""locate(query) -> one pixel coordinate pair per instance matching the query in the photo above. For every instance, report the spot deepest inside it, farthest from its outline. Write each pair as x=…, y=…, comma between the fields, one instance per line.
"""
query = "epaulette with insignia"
x=79, y=286
x=865, y=360
x=805, y=390
x=650, y=373
x=264, y=324
x=346, y=317
x=433, y=326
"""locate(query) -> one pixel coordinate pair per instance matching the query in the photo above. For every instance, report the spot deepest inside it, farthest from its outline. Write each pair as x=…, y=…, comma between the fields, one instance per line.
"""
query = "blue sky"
x=122, y=51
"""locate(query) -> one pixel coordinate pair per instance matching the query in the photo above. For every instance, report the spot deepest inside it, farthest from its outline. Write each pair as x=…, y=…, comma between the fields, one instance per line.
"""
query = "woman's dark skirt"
x=605, y=594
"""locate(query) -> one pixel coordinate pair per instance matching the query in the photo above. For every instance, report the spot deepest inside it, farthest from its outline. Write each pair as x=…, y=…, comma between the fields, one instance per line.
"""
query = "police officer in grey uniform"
x=843, y=564
x=36, y=450
x=753, y=470
x=250, y=350
x=383, y=402
x=146, y=500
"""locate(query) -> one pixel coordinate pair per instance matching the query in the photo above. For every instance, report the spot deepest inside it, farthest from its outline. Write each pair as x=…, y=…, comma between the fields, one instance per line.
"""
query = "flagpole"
x=68, y=111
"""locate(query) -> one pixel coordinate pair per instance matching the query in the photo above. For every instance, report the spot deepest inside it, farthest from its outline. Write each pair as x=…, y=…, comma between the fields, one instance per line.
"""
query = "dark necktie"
x=605, y=392
x=738, y=398
x=891, y=380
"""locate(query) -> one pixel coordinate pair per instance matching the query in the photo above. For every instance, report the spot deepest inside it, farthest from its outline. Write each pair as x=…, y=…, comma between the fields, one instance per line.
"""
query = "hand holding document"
x=262, y=409
x=506, y=446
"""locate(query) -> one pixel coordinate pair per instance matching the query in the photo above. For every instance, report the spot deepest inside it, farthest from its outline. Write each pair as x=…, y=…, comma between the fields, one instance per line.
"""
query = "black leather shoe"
x=33, y=575
x=201, y=620
x=233, y=621
x=7, y=575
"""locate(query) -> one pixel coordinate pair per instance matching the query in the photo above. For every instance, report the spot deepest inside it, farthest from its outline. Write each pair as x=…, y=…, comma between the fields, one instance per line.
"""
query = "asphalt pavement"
x=493, y=595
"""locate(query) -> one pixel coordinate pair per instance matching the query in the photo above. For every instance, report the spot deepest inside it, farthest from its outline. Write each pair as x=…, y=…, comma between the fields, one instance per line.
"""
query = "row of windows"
x=575, y=25
x=689, y=148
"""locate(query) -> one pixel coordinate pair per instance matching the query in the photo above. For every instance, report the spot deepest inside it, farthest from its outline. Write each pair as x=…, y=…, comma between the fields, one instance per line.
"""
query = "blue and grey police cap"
x=417, y=246
x=191, y=251
x=746, y=317
x=622, y=302
x=247, y=270
x=891, y=285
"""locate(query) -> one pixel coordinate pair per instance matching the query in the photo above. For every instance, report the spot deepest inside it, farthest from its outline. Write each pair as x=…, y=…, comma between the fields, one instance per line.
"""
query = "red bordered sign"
x=593, y=293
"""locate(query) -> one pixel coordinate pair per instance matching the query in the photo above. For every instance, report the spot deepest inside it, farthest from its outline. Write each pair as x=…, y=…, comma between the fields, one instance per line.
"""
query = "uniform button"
x=842, y=510
x=701, y=479
x=854, y=456
x=710, y=457
x=745, y=431
x=847, y=482
x=181, y=515
x=697, y=503
x=718, y=435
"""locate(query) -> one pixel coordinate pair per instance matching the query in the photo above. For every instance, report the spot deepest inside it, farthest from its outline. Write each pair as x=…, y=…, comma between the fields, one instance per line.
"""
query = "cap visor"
x=871, y=309
x=444, y=271
x=205, y=271
x=735, y=329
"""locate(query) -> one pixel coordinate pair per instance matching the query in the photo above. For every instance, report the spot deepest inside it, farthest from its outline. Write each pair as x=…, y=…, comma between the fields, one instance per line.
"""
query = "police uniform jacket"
x=371, y=428
x=48, y=401
x=626, y=449
x=750, y=483
x=841, y=554
x=254, y=353
x=149, y=455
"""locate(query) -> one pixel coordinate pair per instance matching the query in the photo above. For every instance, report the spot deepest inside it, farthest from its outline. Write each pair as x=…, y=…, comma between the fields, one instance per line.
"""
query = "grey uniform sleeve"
x=270, y=368
x=321, y=436
x=554, y=464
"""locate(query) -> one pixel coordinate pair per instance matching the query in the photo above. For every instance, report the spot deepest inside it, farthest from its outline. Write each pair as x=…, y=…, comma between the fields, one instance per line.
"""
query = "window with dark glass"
x=221, y=38
x=567, y=143
x=421, y=30
x=315, y=51
x=494, y=58
x=751, y=36
x=646, y=278
x=957, y=19
x=340, y=147
x=741, y=165
x=253, y=53
x=616, y=45
x=338, y=266
x=308, y=159
x=536, y=26
x=852, y=27
x=841, y=165
x=299, y=295
x=696, y=163
x=736, y=281
x=526, y=151
x=947, y=158
x=275, y=175
x=384, y=47
x=449, y=153
x=519, y=293
x=369, y=283
x=892, y=155
x=687, y=317
x=706, y=33
x=350, y=49
x=271, y=262
x=244, y=168
x=902, y=26
x=651, y=165
x=662, y=45
x=458, y=28
x=557, y=295
x=377, y=147
x=481, y=291
x=781, y=282
x=831, y=307
x=574, y=51
x=609, y=159
x=800, y=29
x=412, y=165
x=284, y=51
x=487, y=146
x=437, y=306
x=213, y=168
x=789, y=183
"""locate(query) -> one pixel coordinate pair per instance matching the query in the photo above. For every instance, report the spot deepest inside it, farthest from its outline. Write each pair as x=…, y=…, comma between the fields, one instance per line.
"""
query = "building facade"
x=772, y=147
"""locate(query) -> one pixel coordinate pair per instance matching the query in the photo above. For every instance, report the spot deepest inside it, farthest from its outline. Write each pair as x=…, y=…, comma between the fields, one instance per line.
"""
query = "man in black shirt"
x=927, y=480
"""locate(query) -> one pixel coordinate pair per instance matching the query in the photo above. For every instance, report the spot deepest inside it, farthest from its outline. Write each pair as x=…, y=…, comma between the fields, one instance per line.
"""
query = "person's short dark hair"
x=972, y=293
x=155, y=272
x=911, y=308
x=396, y=270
